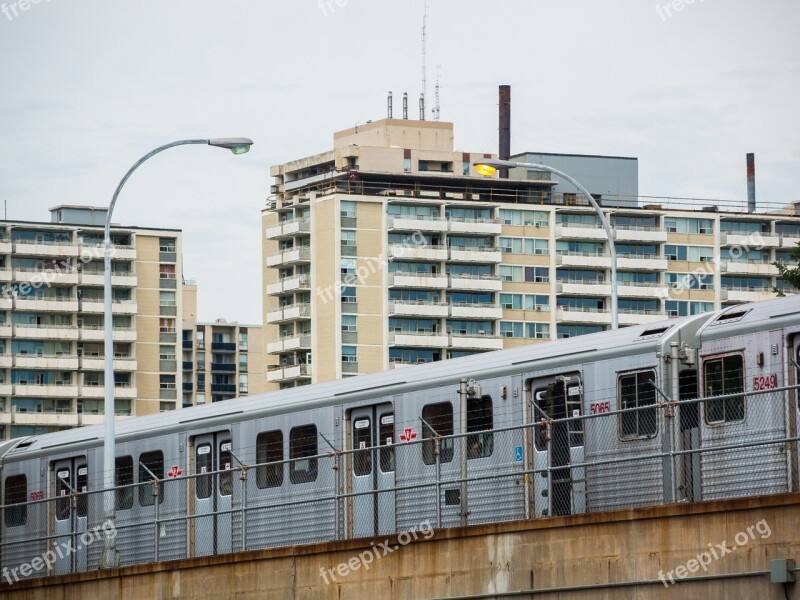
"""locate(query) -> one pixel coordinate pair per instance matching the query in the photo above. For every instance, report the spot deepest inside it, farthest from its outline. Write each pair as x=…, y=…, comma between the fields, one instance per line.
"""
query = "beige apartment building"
x=51, y=321
x=221, y=360
x=390, y=250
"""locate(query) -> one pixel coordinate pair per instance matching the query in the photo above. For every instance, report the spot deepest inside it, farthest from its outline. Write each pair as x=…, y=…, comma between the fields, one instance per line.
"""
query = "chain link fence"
x=650, y=451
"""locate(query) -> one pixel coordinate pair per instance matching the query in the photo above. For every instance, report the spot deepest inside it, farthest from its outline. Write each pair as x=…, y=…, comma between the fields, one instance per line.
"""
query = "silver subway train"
x=696, y=408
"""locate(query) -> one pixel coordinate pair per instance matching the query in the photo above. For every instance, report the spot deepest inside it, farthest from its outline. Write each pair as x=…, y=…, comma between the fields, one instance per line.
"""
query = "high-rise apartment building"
x=221, y=360
x=389, y=250
x=51, y=320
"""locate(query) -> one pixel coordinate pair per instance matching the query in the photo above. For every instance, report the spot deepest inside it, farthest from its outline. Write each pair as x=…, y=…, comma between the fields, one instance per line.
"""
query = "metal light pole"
x=110, y=556
x=489, y=166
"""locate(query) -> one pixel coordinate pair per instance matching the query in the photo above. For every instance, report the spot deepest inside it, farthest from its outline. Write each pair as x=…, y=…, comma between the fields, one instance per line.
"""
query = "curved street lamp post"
x=489, y=166
x=110, y=557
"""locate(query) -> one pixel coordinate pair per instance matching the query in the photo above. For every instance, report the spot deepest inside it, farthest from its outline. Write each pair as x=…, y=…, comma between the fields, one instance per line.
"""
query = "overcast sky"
x=88, y=86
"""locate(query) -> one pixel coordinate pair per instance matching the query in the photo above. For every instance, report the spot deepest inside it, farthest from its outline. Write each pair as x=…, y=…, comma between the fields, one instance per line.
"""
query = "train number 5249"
x=765, y=382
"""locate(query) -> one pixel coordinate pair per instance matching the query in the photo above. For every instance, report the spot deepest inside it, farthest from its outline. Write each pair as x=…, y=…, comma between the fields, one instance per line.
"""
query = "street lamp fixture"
x=489, y=166
x=110, y=556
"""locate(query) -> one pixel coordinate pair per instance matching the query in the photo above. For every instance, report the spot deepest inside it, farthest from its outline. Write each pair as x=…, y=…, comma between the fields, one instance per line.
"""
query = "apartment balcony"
x=640, y=318
x=46, y=305
x=5, y=330
x=421, y=339
x=289, y=372
x=292, y=312
x=491, y=283
x=95, y=306
x=746, y=295
x=126, y=279
x=590, y=288
x=398, y=308
x=223, y=388
x=289, y=228
x=290, y=257
x=46, y=332
x=290, y=284
x=24, y=248
x=31, y=361
x=575, y=315
x=418, y=280
x=96, y=334
x=493, y=227
x=5, y=246
x=639, y=235
x=6, y=361
x=631, y=291
x=430, y=253
x=97, y=363
x=475, y=342
x=642, y=263
x=287, y=344
x=62, y=276
x=578, y=259
x=749, y=240
x=580, y=233
x=6, y=303
x=6, y=274
x=45, y=419
x=734, y=267
x=45, y=391
x=6, y=389
x=401, y=365
x=117, y=252
x=476, y=255
x=476, y=311
x=228, y=347
x=787, y=241
x=415, y=224
x=219, y=367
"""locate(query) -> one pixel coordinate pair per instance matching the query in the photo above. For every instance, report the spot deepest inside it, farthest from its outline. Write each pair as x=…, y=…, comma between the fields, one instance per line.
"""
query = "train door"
x=70, y=476
x=213, y=493
x=558, y=445
x=372, y=469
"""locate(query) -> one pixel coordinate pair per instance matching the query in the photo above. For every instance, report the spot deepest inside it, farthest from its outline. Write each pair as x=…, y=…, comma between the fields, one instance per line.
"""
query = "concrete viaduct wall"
x=626, y=554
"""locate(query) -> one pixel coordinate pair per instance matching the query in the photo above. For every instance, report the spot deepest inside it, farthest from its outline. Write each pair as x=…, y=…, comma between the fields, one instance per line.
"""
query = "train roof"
x=541, y=356
x=744, y=319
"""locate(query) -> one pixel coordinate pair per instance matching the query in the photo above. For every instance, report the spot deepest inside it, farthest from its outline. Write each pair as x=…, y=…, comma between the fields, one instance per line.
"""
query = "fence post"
x=155, y=482
x=549, y=439
x=337, y=516
x=243, y=479
x=437, y=454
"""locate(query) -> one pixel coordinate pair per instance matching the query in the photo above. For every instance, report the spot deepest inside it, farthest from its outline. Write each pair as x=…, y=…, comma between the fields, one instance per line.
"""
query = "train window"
x=203, y=465
x=440, y=418
x=154, y=461
x=82, y=504
x=226, y=466
x=303, y=445
x=63, y=490
x=724, y=376
x=16, y=493
x=479, y=418
x=124, y=477
x=362, y=438
x=635, y=391
x=387, y=443
x=269, y=449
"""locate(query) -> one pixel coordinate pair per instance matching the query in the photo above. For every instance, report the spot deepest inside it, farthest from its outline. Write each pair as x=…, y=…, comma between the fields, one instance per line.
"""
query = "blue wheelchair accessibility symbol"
x=518, y=454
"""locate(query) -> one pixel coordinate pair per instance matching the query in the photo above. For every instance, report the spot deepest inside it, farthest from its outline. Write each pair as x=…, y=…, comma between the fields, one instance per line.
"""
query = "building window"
x=166, y=353
x=166, y=271
x=440, y=418
x=167, y=382
x=349, y=323
x=269, y=449
x=349, y=295
x=349, y=354
x=243, y=341
x=243, y=362
x=347, y=209
x=150, y=462
x=167, y=299
x=166, y=325
x=242, y=384
x=166, y=244
x=479, y=418
x=303, y=452
x=635, y=391
x=724, y=376
x=201, y=398
x=348, y=238
x=362, y=434
x=16, y=492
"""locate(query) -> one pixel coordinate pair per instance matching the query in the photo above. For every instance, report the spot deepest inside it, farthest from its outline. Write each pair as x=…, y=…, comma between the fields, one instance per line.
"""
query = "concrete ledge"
x=619, y=554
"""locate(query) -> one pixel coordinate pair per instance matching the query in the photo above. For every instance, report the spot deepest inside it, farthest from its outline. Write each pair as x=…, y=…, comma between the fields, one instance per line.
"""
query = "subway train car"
x=610, y=420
